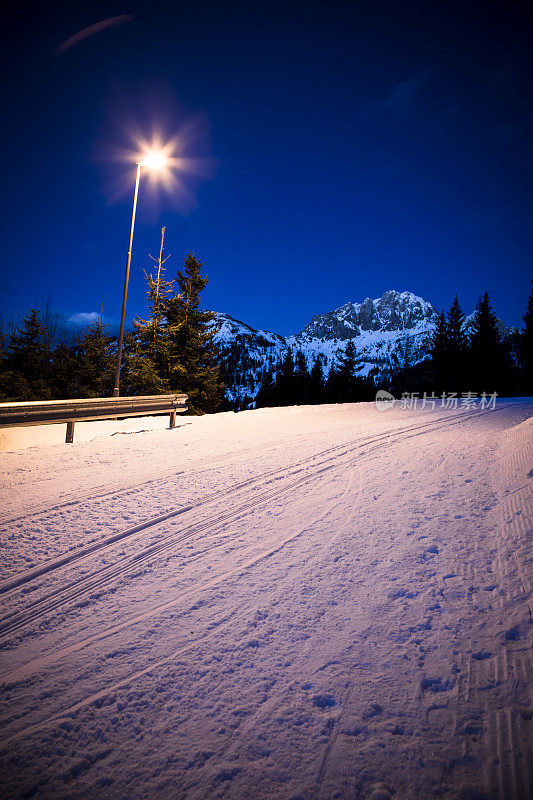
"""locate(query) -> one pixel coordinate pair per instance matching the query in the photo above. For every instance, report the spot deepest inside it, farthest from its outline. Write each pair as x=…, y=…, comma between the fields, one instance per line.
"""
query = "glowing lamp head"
x=153, y=160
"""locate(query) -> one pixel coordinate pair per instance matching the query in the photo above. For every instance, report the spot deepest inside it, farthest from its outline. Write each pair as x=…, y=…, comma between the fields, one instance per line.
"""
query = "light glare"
x=154, y=160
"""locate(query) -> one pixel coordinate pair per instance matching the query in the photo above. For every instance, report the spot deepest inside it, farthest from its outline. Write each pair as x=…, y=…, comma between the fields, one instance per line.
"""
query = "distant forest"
x=174, y=350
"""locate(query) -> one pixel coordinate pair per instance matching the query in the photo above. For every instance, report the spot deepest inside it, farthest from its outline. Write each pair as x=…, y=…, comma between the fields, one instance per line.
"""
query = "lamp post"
x=152, y=160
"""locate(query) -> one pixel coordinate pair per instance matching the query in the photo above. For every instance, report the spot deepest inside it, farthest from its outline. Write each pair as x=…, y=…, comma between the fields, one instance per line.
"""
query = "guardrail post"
x=70, y=432
x=172, y=422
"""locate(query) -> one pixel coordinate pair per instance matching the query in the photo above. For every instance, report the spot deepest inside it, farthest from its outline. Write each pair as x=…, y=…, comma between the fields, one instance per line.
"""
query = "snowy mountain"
x=393, y=311
x=390, y=332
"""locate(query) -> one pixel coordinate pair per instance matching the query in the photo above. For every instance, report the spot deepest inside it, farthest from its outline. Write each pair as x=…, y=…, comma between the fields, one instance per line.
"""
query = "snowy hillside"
x=390, y=332
x=311, y=602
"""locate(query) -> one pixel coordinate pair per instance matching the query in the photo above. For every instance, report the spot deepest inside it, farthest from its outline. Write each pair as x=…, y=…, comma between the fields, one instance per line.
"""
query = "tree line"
x=462, y=358
x=171, y=351
x=473, y=356
x=295, y=384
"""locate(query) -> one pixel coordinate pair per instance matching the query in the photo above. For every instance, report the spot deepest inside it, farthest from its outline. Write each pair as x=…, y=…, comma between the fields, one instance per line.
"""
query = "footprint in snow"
x=324, y=701
x=381, y=791
x=437, y=684
x=402, y=593
x=472, y=729
x=512, y=634
x=372, y=711
x=354, y=730
x=482, y=655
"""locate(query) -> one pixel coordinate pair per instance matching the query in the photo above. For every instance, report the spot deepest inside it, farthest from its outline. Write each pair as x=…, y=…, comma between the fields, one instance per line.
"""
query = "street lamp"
x=153, y=160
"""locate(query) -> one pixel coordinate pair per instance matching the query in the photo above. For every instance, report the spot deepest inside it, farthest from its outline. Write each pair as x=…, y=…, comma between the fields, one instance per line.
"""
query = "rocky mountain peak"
x=393, y=311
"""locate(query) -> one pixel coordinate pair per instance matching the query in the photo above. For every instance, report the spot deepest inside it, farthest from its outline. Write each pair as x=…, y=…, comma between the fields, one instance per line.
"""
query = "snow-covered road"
x=297, y=603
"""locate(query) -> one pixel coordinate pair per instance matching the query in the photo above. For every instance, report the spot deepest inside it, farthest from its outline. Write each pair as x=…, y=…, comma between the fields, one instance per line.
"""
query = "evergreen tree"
x=284, y=390
x=140, y=374
x=439, y=354
x=266, y=395
x=64, y=370
x=488, y=366
x=149, y=360
x=403, y=357
x=194, y=366
x=349, y=386
x=29, y=360
x=369, y=388
x=332, y=389
x=246, y=403
x=95, y=375
x=6, y=376
x=526, y=349
x=316, y=383
x=456, y=347
x=301, y=380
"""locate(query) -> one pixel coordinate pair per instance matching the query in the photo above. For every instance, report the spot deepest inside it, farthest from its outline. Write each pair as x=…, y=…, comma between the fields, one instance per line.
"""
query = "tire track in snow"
x=102, y=577
x=204, y=465
x=79, y=553
x=506, y=680
x=146, y=670
x=109, y=689
x=513, y=778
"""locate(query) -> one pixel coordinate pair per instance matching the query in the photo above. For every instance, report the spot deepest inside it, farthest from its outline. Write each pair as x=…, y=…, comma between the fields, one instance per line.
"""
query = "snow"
x=307, y=602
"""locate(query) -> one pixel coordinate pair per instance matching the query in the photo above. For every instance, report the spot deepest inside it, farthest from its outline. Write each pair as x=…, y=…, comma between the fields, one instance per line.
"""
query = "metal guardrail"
x=48, y=412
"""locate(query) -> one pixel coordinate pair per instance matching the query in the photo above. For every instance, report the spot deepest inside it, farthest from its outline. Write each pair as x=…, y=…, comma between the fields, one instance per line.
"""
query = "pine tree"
x=404, y=355
x=316, y=383
x=64, y=370
x=150, y=360
x=29, y=360
x=439, y=354
x=284, y=390
x=194, y=366
x=350, y=387
x=96, y=362
x=457, y=339
x=488, y=366
x=6, y=376
x=301, y=380
x=332, y=389
x=526, y=349
x=456, y=347
x=266, y=395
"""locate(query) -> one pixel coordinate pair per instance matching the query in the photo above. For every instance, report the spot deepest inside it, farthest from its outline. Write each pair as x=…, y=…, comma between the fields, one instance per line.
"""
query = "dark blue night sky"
x=342, y=149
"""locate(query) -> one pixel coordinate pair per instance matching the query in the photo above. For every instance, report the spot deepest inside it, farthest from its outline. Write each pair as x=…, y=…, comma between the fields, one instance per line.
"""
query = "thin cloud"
x=91, y=30
x=84, y=317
